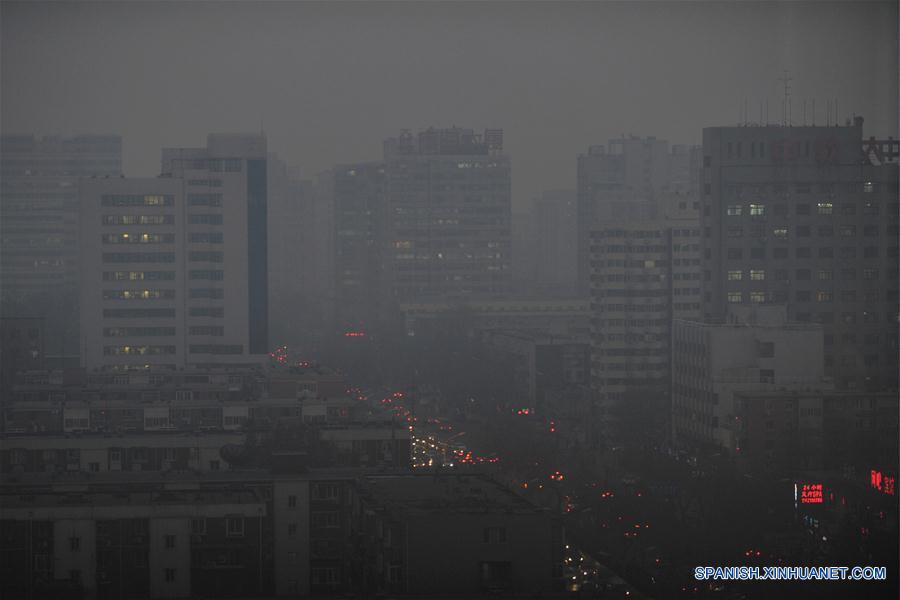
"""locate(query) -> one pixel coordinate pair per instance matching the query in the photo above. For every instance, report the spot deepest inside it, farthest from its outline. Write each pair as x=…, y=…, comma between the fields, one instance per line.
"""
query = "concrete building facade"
x=163, y=259
x=807, y=217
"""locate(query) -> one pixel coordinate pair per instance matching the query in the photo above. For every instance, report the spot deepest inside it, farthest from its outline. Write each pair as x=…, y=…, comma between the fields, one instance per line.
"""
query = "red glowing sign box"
x=811, y=493
x=883, y=482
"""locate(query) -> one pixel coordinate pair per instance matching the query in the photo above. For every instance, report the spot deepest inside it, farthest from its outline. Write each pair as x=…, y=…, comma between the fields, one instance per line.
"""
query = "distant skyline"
x=329, y=81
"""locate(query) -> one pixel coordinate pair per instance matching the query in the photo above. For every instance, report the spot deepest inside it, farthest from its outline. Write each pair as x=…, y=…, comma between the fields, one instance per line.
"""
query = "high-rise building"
x=174, y=269
x=643, y=275
x=448, y=208
x=429, y=222
x=39, y=203
x=620, y=181
x=807, y=217
x=289, y=258
x=359, y=244
x=39, y=227
x=555, y=227
x=639, y=202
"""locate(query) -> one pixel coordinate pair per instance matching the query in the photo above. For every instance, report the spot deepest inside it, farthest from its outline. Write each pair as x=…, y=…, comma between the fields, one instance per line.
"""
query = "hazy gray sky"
x=330, y=81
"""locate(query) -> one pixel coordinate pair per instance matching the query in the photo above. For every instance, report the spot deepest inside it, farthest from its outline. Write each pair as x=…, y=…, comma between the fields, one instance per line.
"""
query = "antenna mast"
x=786, y=101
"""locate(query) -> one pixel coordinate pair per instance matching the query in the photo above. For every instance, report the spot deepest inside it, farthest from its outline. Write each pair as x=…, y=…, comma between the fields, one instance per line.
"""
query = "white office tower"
x=174, y=268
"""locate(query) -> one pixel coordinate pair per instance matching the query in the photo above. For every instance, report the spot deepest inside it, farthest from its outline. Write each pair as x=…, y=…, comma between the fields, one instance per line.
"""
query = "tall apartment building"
x=643, y=275
x=359, y=243
x=555, y=228
x=622, y=181
x=807, y=217
x=290, y=261
x=39, y=204
x=448, y=215
x=431, y=221
x=638, y=205
x=39, y=226
x=174, y=269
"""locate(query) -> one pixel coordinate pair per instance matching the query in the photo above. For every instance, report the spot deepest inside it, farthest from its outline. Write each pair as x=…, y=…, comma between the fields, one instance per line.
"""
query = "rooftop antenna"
x=786, y=101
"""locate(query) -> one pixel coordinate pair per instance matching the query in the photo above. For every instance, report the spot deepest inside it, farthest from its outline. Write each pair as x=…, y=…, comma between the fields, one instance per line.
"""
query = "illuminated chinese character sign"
x=811, y=493
x=882, y=482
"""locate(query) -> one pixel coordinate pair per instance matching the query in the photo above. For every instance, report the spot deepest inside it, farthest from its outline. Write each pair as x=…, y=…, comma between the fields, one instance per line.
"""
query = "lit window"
x=757, y=297
x=823, y=296
x=735, y=275
x=757, y=275
x=780, y=232
x=825, y=208
x=757, y=210
x=735, y=297
x=734, y=210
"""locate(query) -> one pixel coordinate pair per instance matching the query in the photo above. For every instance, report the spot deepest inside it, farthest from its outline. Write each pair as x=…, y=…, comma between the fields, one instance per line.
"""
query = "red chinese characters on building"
x=811, y=493
x=883, y=482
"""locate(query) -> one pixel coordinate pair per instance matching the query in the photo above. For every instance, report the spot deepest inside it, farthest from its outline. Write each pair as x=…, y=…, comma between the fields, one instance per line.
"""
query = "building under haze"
x=39, y=214
x=755, y=349
x=643, y=275
x=290, y=257
x=642, y=200
x=555, y=253
x=430, y=222
x=448, y=208
x=622, y=181
x=807, y=217
x=39, y=204
x=174, y=269
x=360, y=243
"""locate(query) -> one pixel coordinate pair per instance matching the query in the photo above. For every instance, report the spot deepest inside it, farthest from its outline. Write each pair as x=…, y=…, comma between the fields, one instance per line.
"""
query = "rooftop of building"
x=103, y=498
x=180, y=479
x=440, y=492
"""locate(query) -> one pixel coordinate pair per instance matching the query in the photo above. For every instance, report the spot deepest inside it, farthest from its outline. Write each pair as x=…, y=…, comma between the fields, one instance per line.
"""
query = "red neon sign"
x=882, y=482
x=811, y=493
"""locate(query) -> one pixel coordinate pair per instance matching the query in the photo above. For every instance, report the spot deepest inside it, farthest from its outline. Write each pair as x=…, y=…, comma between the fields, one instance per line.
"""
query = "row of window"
x=138, y=313
x=137, y=331
x=138, y=219
x=138, y=275
x=806, y=252
x=211, y=275
x=138, y=257
x=214, y=256
x=212, y=330
x=145, y=350
x=205, y=219
x=138, y=238
x=782, y=231
x=805, y=274
x=137, y=200
x=204, y=199
x=216, y=349
x=146, y=294
x=217, y=312
x=214, y=293
x=824, y=208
